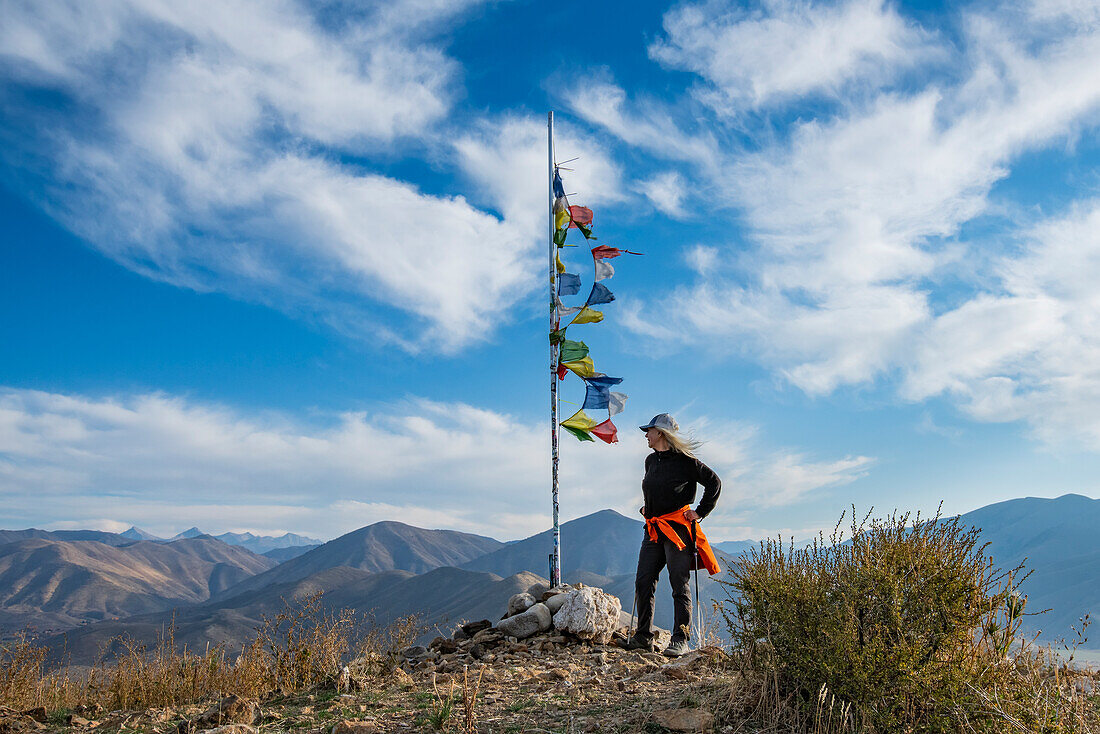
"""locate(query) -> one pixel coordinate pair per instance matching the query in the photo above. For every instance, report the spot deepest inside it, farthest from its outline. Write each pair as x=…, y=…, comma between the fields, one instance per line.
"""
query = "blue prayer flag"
x=568, y=284
x=600, y=294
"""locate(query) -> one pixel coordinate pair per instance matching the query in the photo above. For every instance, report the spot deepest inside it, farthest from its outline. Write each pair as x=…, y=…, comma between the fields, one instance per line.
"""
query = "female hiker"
x=669, y=485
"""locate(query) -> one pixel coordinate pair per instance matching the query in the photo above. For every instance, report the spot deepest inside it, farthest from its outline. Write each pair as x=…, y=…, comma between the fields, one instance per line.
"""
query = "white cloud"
x=787, y=48
x=164, y=463
x=1028, y=351
x=207, y=148
x=851, y=219
x=666, y=191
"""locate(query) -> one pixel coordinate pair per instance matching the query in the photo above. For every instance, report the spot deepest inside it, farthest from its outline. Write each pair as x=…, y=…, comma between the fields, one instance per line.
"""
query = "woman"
x=671, y=475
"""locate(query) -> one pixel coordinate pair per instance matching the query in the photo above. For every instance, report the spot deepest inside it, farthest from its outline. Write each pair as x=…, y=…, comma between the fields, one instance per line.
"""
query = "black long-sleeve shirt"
x=670, y=482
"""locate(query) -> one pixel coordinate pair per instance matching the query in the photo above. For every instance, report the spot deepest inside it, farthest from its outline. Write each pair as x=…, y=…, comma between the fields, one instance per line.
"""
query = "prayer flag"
x=605, y=251
x=581, y=367
x=562, y=371
x=556, y=336
x=586, y=230
x=560, y=264
x=572, y=351
x=588, y=316
x=600, y=294
x=595, y=397
x=569, y=284
x=559, y=189
x=606, y=432
x=579, y=420
x=559, y=237
x=616, y=403
x=579, y=434
x=565, y=311
x=580, y=215
x=604, y=270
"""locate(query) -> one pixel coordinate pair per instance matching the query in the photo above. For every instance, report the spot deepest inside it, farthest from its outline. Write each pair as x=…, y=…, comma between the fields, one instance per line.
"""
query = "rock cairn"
x=539, y=620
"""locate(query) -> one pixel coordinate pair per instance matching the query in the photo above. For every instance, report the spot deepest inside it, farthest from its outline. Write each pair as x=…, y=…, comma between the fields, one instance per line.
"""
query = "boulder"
x=472, y=628
x=520, y=603
x=554, y=591
x=532, y=621
x=554, y=602
x=537, y=590
x=590, y=614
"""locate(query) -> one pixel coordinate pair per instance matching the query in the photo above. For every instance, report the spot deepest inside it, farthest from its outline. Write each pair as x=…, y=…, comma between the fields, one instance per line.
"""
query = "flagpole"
x=555, y=565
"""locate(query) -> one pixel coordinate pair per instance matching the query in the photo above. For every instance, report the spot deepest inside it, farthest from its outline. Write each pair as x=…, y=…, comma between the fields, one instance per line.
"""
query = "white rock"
x=590, y=614
x=520, y=602
x=534, y=620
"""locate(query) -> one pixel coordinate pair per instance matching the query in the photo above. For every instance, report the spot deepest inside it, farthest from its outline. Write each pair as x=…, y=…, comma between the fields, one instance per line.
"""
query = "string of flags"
x=573, y=356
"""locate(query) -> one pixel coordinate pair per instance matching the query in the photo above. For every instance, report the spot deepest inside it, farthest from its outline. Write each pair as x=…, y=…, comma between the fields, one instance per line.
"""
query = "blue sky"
x=281, y=266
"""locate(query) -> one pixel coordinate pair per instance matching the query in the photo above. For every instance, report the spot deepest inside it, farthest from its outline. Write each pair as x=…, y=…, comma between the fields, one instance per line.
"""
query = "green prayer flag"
x=557, y=336
x=579, y=434
x=572, y=351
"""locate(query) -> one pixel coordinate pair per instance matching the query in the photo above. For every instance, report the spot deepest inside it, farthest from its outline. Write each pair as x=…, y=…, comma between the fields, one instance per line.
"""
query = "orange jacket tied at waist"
x=657, y=526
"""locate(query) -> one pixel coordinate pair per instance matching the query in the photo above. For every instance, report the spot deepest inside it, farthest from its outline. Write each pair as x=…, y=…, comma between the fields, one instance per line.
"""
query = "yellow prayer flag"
x=581, y=367
x=580, y=421
x=561, y=265
x=561, y=218
x=588, y=316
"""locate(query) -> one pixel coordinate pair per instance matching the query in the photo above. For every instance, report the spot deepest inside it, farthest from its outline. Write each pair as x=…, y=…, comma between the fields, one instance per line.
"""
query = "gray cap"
x=664, y=421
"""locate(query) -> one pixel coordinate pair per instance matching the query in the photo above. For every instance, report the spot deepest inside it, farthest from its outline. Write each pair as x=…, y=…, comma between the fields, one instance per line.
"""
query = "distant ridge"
x=65, y=583
x=98, y=536
x=384, y=546
x=136, y=533
x=604, y=543
x=1059, y=539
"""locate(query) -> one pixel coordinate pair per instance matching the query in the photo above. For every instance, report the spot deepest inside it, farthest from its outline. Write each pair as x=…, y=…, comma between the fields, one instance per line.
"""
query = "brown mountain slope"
x=384, y=546
x=442, y=597
x=87, y=580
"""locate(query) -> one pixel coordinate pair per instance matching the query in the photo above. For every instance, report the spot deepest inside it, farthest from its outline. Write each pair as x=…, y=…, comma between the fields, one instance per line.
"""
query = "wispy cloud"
x=142, y=459
x=854, y=218
x=787, y=49
x=221, y=146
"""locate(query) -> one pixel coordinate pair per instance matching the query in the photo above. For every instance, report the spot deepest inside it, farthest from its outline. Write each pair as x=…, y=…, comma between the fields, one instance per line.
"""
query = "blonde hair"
x=686, y=445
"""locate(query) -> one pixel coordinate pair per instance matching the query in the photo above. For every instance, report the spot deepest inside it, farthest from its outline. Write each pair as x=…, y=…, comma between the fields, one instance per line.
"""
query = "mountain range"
x=216, y=592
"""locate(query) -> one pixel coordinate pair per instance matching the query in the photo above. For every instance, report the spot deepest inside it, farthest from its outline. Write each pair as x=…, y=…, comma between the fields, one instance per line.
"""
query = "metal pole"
x=555, y=567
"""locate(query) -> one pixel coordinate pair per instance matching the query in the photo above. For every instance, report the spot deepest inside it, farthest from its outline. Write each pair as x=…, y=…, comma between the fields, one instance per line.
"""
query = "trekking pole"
x=695, y=569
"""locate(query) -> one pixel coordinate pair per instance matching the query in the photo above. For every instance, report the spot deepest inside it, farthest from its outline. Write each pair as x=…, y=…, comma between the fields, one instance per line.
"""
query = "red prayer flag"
x=606, y=432
x=599, y=253
x=579, y=215
x=562, y=371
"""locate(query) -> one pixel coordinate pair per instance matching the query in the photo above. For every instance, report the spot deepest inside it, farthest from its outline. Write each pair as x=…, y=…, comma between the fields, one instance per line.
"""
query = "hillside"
x=442, y=597
x=383, y=546
x=1058, y=540
x=99, y=536
x=52, y=582
x=604, y=543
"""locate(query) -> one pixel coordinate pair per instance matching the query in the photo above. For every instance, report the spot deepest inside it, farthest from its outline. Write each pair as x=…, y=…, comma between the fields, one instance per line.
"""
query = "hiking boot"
x=637, y=643
x=676, y=648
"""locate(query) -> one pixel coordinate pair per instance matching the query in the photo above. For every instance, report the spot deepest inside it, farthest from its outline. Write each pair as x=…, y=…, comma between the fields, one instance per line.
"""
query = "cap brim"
x=645, y=428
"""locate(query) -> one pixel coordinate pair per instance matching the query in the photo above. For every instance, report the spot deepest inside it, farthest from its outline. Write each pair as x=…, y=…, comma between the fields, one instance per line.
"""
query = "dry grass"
x=298, y=649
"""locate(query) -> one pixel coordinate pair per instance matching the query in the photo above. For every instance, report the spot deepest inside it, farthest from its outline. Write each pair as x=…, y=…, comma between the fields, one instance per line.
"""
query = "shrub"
x=908, y=627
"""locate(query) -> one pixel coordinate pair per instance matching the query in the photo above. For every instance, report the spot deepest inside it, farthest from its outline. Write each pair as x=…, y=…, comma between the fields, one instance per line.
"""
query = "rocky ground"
x=544, y=684
x=553, y=664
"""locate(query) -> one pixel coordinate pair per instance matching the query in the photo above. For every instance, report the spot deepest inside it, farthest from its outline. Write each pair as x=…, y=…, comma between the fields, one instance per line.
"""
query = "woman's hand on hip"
x=691, y=515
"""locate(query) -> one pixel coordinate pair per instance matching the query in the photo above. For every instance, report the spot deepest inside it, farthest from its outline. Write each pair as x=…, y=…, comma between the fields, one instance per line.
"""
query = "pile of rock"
x=539, y=620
